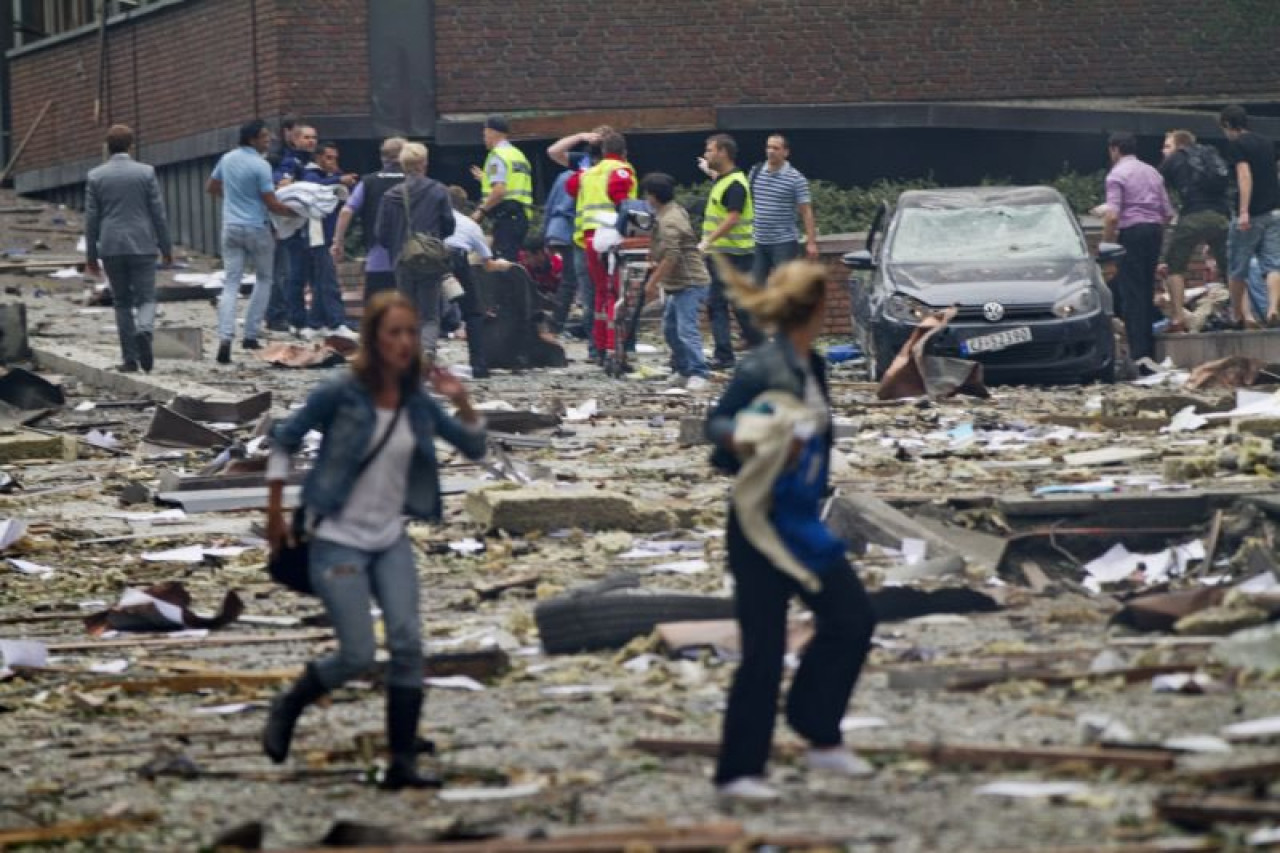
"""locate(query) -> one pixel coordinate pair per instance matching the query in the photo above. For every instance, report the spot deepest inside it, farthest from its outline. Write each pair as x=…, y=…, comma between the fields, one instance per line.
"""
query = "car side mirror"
x=1110, y=253
x=859, y=260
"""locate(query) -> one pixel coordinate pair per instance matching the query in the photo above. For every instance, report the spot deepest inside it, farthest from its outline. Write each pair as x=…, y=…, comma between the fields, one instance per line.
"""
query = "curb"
x=100, y=373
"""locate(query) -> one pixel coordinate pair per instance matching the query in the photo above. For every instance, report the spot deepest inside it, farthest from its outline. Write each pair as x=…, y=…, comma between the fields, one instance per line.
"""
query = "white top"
x=372, y=518
x=469, y=237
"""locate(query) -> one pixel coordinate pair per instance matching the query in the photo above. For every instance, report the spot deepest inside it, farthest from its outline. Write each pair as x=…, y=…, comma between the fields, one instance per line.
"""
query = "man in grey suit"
x=124, y=226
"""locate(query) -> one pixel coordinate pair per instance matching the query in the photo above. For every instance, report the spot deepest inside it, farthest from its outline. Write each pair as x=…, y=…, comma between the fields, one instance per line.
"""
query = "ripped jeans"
x=346, y=579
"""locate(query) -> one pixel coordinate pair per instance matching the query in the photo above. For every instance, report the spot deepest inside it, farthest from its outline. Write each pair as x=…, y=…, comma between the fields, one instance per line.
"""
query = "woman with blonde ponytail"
x=772, y=429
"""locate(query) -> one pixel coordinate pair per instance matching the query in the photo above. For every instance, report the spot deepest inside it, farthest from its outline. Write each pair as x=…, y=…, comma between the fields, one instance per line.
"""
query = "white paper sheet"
x=29, y=568
x=135, y=597
x=455, y=682
x=11, y=530
x=1260, y=728
x=1032, y=790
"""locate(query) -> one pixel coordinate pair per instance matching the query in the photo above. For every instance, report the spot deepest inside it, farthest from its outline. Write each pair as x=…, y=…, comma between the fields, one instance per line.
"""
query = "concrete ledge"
x=1191, y=349
x=100, y=373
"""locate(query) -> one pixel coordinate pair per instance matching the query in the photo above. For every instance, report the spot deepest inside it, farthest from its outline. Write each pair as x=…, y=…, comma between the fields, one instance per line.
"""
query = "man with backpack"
x=414, y=218
x=1199, y=174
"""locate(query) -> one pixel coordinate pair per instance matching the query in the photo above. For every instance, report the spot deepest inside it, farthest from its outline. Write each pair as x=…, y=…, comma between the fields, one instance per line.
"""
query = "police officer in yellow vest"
x=506, y=189
x=726, y=231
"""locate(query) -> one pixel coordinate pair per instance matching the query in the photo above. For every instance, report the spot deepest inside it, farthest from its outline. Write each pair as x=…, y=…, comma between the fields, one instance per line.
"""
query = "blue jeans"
x=1261, y=241
x=345, y=579
x=239, y=244
x=680, y=328
x=771, y=256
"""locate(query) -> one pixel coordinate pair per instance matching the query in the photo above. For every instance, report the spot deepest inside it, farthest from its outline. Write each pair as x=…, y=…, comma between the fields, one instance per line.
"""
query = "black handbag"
x=290, y=565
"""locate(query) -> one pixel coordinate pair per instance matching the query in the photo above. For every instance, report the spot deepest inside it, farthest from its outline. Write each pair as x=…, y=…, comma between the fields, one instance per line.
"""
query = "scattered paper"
x=66, y=272
x=11, y=530
x=914, y=551
x=1033, y=790
x=478, y=795
x=105, y=440
x=1265, y=837
x=110, y=667
x=168, y=516
x=21, y=653
x=86, y=406
x=192, y=554
x=679, y=567
x=641, y=663
x=467, y=546
x=1250, y=729
x=1186, y=420
x=1119, y=563
x=1182, y=682
x=136, y=597
x=648, y=548
x=224, y=710
x=29, y=568
x=455, y=682
x=1092, y=488
x=581, y=413
x=1197, y=743
x=570, y=690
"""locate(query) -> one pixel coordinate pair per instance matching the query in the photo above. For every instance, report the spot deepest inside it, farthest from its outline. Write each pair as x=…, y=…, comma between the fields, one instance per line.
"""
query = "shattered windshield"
x=1002, y=232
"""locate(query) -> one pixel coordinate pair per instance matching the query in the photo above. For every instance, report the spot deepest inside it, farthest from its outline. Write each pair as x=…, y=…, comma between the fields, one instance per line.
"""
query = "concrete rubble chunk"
x=527, y=510
x=27, y=444
x=1222, y=620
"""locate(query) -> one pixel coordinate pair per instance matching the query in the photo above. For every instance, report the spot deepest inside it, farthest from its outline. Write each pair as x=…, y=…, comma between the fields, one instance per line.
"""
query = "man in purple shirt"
x=1137, y=210
x=364, y=201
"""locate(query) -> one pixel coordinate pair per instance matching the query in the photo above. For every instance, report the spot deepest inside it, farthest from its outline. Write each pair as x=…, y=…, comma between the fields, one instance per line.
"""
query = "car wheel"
x=609, y=616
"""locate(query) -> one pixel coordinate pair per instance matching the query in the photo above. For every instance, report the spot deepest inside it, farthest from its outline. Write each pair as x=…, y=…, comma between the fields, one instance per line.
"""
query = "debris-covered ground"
x=1029, y=688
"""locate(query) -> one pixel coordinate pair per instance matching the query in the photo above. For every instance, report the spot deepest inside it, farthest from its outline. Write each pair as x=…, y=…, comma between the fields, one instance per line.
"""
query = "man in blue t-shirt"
x=242, y=179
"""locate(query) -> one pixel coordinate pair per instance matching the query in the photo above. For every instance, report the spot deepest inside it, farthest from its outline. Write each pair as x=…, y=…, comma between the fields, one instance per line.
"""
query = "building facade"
x=854, y=78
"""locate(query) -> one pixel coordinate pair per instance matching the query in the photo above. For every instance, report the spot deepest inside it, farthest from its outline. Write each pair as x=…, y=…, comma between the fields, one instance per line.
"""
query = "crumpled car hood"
x=1030, y=282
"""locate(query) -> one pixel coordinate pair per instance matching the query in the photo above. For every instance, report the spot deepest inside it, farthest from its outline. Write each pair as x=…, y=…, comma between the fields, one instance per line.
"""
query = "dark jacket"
x=343, y=410
x=1181, y=175
x=429, y=210
x=772, y=366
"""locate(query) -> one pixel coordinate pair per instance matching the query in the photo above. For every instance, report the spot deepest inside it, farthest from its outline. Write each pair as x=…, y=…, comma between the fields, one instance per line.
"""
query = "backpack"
x=1208, y=170
x=424, y=255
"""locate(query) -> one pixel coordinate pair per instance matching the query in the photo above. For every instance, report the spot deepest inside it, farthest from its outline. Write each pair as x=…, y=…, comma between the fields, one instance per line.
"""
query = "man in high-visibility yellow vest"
x=598, y=191
x=726, y=231
x=506, y=190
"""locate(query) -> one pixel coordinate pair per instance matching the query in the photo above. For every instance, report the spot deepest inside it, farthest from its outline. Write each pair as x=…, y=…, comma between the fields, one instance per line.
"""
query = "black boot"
x=475, y=347
x=285, y=710
x=404, y=707
x=146, y=357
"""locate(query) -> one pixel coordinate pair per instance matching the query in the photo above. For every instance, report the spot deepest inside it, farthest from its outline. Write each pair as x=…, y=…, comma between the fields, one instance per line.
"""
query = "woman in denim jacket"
x=794, y=304
x=376, y=464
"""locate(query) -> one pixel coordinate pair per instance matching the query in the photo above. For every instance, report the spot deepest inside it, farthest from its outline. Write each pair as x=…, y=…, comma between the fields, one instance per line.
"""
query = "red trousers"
x=606, y=290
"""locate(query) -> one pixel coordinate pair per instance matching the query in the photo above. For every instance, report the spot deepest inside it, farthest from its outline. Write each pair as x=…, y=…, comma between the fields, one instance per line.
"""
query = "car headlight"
x=1082, y=301
x=904, y=309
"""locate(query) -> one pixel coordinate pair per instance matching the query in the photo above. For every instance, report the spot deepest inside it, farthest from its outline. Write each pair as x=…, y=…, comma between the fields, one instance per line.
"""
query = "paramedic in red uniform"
x=598, y=192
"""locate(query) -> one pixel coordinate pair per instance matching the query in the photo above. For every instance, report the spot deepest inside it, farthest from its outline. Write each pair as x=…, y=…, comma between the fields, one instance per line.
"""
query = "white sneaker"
x=345, y=331
x=299, y=331
x=839, y=760
x=696, y=383
x=748, y=789
x=307, y=334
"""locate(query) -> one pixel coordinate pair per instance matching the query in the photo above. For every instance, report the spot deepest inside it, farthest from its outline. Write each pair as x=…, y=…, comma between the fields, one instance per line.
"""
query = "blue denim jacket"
x=343, y=410
x=772, y=366
x=558, y=218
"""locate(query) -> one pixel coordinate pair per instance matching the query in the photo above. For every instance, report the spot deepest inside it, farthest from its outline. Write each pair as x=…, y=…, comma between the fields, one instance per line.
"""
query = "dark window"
x=34, y=20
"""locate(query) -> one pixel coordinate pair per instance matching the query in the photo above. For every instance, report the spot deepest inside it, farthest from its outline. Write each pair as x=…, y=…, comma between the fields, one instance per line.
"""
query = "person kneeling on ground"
x=772, y=428
x=376, y=464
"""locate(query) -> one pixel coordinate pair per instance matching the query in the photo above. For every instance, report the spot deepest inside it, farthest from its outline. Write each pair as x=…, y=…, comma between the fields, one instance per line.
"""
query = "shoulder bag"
x=424, y=255
x=290, y=565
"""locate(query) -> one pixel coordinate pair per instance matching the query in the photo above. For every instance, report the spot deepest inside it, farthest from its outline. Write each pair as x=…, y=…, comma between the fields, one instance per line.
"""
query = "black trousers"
x=718, y=306
x=510, y=225
x=376, y=282
x=473, y=311
x=828, y=671
x=1134, y=286
x=568, y=289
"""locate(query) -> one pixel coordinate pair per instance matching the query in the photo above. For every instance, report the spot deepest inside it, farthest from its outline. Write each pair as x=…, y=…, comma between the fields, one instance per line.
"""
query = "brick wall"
x=525, y=54
x=195, y=71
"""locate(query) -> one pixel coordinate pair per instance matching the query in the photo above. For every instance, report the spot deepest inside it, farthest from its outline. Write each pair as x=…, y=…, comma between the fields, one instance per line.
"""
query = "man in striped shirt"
x=779, y=190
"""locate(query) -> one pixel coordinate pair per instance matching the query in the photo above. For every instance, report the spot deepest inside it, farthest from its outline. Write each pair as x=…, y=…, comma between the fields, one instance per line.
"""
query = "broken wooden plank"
x=488, y=592
x=1190, y=810
x=1035, y=576
x=74, y=829
x=1262, y=771
x=969, y=755
x=1119, y=424
x=212, y=641
x=1051, y=677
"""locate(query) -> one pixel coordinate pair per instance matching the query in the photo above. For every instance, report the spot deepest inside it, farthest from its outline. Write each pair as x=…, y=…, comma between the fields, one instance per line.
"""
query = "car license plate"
x=996, y=341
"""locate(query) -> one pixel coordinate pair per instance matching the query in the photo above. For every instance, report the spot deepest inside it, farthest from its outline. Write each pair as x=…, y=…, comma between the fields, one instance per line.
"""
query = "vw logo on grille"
x=993, y=312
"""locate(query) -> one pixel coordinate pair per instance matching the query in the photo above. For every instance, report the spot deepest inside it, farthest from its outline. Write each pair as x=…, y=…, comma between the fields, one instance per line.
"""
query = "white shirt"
x=468, y=236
